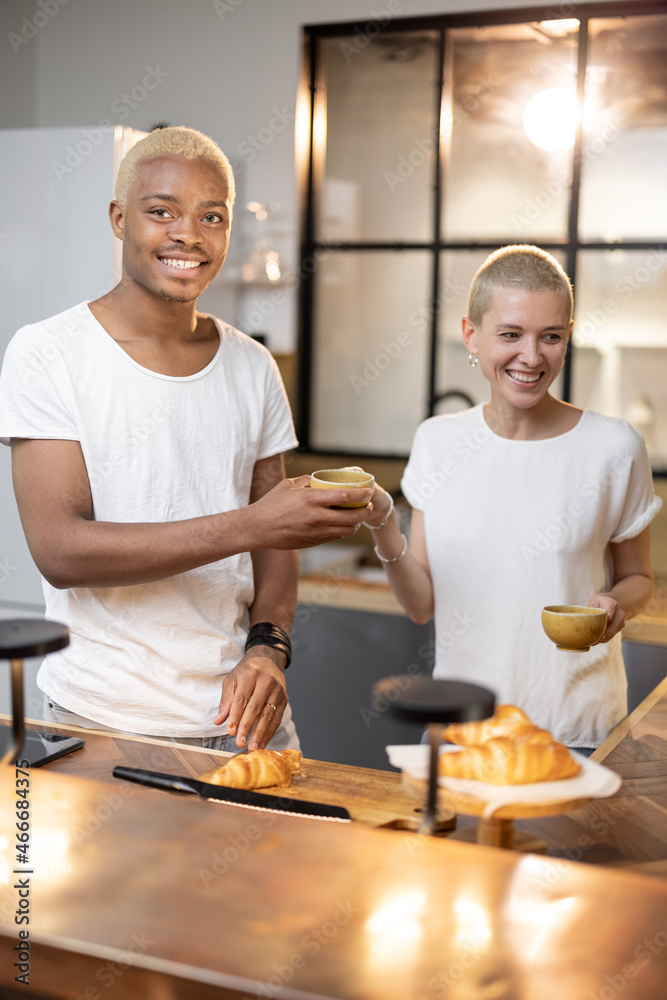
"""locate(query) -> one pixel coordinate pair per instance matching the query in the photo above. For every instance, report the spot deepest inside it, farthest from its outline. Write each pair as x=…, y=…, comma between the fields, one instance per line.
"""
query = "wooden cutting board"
x=375, y=797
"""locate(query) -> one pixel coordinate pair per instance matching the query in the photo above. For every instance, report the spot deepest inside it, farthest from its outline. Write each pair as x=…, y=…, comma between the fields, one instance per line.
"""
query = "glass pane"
x=620, y=365
x=623, y=192
x=380, y=127
x=455, y=378
x=371, y=351
x=499, y=182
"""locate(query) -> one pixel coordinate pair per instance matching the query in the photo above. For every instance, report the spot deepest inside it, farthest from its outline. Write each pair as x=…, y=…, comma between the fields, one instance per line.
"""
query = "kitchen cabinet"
x=338, y=655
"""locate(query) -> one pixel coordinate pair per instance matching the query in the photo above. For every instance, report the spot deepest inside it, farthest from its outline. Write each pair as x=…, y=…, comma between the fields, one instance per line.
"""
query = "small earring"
x=473, y=360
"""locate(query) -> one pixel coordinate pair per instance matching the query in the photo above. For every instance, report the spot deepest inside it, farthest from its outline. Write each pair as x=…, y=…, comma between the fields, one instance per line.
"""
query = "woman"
x=522, y=502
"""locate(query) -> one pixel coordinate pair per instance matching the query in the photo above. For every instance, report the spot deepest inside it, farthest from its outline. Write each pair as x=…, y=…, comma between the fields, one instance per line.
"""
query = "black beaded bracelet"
x=268, y=634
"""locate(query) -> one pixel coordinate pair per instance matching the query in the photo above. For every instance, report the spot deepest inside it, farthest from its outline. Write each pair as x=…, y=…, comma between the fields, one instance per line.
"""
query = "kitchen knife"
x=233, y=796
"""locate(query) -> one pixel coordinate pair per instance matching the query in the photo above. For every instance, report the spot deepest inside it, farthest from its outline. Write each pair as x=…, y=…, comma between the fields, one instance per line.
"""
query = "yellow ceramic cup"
x=329, y=479
x=574, y=627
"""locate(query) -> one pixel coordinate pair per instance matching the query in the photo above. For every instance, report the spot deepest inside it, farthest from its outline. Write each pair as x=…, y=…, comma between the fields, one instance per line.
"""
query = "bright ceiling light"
x=550, y=119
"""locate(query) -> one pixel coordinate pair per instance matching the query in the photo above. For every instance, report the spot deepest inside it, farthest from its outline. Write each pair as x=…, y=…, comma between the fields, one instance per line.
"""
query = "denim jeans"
x=282, y=739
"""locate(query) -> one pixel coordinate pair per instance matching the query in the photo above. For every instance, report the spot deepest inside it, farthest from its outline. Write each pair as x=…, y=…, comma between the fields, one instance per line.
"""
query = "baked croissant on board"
x=507, y=749
x=256, y=769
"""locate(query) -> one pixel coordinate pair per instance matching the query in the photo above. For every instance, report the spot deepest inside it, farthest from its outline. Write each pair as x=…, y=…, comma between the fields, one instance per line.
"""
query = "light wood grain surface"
x=151, y=896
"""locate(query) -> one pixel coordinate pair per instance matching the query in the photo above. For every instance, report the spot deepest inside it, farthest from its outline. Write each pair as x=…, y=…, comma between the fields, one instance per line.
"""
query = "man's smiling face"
x=175, y=226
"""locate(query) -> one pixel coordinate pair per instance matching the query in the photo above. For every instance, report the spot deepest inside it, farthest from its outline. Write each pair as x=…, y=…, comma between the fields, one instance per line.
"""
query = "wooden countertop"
x=152, y=896
x=136, y=893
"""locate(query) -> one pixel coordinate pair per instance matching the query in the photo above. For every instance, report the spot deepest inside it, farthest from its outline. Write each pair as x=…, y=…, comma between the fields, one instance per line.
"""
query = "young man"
x=147, y=443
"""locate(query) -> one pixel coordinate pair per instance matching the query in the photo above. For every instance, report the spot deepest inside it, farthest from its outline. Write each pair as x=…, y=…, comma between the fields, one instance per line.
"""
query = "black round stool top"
x=425, y=700
x=21, y=637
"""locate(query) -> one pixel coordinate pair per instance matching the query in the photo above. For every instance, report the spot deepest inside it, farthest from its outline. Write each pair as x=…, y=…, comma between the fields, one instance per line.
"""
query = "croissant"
x=505, y=722
x=256, y=769
x=504, y=761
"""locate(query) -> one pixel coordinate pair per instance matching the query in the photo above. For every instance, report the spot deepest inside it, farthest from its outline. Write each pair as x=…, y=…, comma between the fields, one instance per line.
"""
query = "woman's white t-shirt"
x=512, y=526
x=148, y=658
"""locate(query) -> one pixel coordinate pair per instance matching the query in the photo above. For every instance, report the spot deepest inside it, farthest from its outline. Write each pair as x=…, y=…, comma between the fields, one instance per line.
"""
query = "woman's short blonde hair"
x=175, y=140
x=517, y=266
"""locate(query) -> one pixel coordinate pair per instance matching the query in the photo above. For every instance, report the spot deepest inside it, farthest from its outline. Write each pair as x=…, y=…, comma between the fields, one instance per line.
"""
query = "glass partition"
x=370, y=365
x=498, y=181
x=623, y=191
x=381, y=138
x=436, y=140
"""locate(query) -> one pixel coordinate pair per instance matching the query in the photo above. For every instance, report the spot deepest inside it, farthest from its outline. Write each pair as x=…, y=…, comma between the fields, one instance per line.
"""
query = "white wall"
x=222, y=66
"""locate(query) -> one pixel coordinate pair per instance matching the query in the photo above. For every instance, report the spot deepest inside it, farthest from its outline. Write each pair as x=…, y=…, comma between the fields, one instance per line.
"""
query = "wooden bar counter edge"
x=136, y=893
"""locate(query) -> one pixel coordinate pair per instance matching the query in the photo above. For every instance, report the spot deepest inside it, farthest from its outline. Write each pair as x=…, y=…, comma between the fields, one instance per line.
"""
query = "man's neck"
x=131, y=313
x=163, y=335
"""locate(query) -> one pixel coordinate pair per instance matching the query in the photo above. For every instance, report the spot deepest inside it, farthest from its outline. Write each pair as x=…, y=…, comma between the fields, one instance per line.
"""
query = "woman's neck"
x=550, y=418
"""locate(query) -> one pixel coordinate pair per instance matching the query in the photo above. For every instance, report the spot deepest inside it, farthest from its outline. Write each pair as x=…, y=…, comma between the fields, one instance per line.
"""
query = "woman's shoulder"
x=616, y=428
x=446, y=424
x=612, y=438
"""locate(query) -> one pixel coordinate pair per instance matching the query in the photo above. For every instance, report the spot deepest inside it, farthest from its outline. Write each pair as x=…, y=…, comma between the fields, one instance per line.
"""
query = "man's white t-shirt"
x=512, y=526
x=148, y=658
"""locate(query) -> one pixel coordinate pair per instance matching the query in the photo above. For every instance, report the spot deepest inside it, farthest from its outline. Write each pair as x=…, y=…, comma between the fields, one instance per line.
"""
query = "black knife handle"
x=155, y=779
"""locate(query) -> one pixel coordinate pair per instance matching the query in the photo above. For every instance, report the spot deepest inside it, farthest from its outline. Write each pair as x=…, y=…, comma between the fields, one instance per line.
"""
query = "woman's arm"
x=633, y=582
x=409, y=576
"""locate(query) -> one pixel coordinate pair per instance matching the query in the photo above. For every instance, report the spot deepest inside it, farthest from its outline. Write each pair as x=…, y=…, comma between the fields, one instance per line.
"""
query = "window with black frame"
x=434, y=141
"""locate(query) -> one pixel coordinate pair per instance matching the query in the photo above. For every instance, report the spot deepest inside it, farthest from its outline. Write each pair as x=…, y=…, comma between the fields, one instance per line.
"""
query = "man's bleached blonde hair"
x=175, y=140
x=517, y=266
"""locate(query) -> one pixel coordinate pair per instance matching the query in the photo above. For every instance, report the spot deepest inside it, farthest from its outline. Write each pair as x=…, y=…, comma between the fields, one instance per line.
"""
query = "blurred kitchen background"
x=356, y=234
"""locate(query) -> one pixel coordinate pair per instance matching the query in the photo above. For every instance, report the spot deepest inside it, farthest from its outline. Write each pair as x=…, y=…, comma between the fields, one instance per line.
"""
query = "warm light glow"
x=272, y=265
x=474, y=930
x=559, y=27
x=49, y=853
x=550, y=119
x=395, y=930
x=537, y=909
x=399, y=917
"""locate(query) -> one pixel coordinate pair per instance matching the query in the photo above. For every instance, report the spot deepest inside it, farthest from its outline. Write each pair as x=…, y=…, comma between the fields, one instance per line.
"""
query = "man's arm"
x=72, y=550
x=254, y=692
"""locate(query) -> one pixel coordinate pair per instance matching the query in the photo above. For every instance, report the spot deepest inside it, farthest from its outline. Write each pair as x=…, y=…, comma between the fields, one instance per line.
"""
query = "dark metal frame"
x=310, y=246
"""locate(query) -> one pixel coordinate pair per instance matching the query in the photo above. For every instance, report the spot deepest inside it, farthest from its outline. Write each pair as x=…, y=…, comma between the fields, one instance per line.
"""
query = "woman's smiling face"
x=521, y=343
